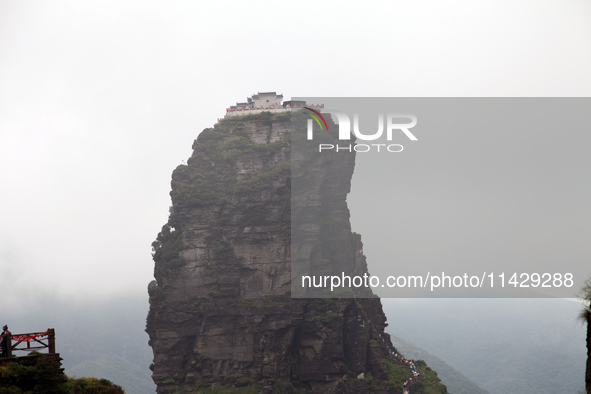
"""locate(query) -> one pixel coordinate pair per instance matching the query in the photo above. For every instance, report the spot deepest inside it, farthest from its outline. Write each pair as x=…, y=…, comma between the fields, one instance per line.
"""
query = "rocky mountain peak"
x=221, y=307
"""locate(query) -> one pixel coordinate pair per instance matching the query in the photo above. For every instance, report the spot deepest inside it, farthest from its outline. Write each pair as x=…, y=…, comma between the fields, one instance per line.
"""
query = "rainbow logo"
x=316, y=119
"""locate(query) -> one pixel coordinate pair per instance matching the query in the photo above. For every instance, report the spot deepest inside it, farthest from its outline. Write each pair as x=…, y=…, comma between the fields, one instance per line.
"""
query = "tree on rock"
x=585, y=315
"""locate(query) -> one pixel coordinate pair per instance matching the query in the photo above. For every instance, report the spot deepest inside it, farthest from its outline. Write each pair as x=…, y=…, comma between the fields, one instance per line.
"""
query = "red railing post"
x=8, y=344
x=51, y=340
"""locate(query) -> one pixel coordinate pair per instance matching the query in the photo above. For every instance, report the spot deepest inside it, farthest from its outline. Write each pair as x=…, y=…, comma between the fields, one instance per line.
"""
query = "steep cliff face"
x=221, y=312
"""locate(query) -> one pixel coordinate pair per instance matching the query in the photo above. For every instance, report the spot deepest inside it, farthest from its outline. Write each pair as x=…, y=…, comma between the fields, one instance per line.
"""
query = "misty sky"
x=101, y=100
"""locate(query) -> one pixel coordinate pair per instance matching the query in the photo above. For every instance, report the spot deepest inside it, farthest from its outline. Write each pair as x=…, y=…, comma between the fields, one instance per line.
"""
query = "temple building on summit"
x=267, y=102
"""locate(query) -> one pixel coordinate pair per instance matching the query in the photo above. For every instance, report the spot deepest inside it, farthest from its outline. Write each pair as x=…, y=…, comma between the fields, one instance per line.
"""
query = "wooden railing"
x=43, y=340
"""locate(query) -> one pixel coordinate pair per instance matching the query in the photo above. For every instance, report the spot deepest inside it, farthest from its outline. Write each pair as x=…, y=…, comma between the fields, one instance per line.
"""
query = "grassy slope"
x=456, y=382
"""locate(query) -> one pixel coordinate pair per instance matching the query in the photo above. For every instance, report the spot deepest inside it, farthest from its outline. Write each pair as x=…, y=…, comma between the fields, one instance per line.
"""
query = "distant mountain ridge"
x=519, y=346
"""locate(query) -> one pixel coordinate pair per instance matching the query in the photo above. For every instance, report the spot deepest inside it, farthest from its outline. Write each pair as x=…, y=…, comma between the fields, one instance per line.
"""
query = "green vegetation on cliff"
x=429, y=383
x=211, y=176
x=43, y=374
x=166, y=250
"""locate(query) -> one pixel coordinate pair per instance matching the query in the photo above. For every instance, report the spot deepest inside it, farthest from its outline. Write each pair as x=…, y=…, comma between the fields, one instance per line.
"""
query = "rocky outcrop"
x=588, y=366
x=221, y=310
x=586, y=316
